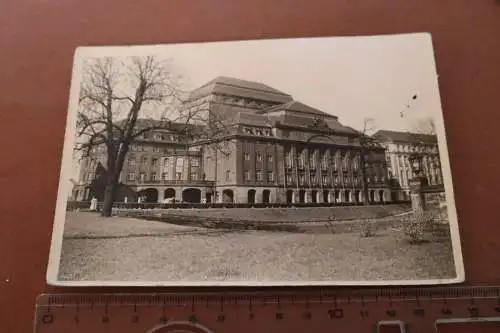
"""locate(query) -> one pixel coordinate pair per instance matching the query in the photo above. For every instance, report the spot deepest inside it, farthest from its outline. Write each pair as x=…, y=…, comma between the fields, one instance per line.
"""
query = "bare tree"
x=425, y=126
x=114, y=95
x=367, y=143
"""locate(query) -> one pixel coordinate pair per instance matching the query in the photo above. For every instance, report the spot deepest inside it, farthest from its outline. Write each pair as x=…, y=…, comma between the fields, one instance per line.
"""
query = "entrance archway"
x=251, y=196
x=169, y=193
x=149, y=195
x=302, y=196
x=227, y=196
x=289, y=196
x=266, y=196
x=314, y=196
x=325, y=195
x=191, y=195
x=357, y=196
x=381, y=196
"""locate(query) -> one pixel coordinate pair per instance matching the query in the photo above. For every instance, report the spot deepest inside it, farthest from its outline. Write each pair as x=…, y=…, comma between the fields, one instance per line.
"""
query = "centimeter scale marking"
x=406, y=309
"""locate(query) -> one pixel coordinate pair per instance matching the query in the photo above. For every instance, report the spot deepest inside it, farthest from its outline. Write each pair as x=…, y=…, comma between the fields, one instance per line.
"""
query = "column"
x=295, y=196
x=278, y=195
x=308, y=198
x=259, y=195
x=203, y=191
x=387, y=195
x=361, y=196
x=351, y=196
x=319, y=196
x=331, y=196
x=173, y=169
x=161, y=194
x=376, y=196
x=341, y=196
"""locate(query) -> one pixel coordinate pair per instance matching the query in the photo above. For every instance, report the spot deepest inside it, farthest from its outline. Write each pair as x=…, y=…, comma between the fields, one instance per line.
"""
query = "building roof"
x=156, y=124
x=299, y=107
x=247, y=118
x=408, y=137
x=224, y=85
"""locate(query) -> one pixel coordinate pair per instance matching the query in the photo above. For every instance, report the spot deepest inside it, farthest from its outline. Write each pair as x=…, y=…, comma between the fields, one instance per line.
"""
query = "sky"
x=351, y=77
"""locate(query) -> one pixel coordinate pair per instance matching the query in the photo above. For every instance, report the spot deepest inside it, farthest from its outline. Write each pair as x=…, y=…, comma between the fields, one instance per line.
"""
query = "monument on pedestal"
x=417, y=183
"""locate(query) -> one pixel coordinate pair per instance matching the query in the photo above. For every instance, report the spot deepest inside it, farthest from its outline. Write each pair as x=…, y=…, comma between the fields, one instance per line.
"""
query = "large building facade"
x=273, y=149
x=399, y=147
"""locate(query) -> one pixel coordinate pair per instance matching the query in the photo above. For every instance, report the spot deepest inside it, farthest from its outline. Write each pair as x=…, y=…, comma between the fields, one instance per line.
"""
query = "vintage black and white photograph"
x=308, y=161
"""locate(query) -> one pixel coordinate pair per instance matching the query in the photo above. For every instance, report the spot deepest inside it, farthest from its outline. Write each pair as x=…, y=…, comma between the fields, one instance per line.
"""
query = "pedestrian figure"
x=93, y=204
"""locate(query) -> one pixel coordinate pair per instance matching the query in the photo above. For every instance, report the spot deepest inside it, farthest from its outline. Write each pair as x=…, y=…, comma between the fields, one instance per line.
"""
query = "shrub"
x=368, y=228
x=417, y=224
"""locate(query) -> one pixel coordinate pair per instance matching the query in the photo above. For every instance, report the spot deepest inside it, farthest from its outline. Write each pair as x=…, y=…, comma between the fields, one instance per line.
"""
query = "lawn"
x=133, y=250
x=285, y=214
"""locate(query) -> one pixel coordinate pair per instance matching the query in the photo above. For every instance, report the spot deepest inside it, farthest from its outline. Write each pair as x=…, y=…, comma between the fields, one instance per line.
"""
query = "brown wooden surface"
x=38, y=38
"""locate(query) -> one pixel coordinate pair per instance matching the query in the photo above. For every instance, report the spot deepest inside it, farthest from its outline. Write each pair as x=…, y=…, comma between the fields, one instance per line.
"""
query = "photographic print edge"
x=53, y=266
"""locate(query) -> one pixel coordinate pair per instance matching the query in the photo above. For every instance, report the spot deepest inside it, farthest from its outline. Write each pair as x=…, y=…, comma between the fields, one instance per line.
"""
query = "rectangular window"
x=324, y=162
x=142, y=176
x=258, y=175
x=144, y=161
x=154, y=162
x=302, y=179
x=269, y=157
x=164, y=176
x=312, y=162
x=259, y=157
x=270, y=176
x=288, y=160
x=247, y=175
x=153, y=176
x=131, y=162
x=325, y=180
x=247, y=156
x=159, y=136
x=345, y=162
x=194, y=175
x=289, y=179
x=156, y=150
x=228, y=175
x=178, y=175
x=131, y=176
x=301, y=161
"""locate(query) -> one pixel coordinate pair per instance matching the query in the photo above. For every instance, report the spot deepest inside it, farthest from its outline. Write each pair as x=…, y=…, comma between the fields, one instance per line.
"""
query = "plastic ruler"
x=413, y=310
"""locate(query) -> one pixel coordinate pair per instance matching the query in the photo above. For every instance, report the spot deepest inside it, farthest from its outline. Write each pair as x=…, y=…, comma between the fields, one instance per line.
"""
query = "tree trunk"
x=366, y=198
x=109, y=199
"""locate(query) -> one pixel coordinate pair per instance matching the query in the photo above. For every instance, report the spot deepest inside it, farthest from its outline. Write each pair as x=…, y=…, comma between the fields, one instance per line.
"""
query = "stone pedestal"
x=416, y=195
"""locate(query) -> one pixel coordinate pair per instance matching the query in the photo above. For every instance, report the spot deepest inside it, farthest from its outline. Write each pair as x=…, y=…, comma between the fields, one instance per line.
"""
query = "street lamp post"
x=417, y=182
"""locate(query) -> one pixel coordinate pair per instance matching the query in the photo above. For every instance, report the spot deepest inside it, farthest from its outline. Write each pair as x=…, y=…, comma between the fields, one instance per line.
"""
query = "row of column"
x=339, y=196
